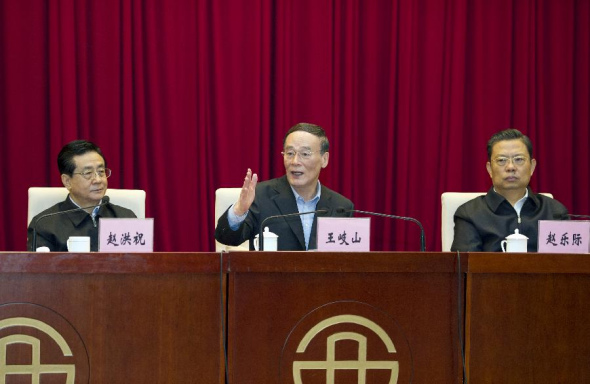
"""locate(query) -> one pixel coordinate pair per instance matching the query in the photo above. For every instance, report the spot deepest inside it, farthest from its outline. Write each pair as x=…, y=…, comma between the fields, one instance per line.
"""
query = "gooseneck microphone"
x=105, y=201
x=261, y=230
x=422, y=241
x=567, y=216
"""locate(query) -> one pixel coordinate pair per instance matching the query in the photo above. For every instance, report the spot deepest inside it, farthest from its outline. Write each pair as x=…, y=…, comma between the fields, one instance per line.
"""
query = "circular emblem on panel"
x=38, y=345
x=346, y=342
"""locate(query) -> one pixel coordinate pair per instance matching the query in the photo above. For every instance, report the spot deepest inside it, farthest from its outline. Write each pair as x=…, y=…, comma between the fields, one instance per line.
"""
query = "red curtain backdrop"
x=183, y=96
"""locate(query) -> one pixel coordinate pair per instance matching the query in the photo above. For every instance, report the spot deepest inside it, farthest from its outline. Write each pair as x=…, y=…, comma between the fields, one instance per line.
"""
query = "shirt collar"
x=494, y=199
x=518, y=205
x=315, y=198
x=94, y=211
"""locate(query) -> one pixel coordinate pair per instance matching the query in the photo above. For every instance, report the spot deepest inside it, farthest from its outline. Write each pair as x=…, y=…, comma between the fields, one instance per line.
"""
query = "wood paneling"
x=528, y=318
x=142, y=318
x=275, y=298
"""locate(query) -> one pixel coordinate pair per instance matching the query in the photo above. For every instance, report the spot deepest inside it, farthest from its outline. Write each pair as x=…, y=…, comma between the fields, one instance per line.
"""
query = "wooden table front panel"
x=138, y=318
x=274, y=300
x=528, y=318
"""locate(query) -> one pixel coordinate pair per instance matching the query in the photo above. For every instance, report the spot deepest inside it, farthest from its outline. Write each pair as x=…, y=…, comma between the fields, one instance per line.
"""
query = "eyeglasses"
x=90, y=174
x=303, y=155
x=516, y=160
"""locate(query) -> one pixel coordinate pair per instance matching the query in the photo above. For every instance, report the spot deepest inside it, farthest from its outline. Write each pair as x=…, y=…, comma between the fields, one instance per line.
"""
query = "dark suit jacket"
x=275, y=197
x=53, y=232
x=482, y=223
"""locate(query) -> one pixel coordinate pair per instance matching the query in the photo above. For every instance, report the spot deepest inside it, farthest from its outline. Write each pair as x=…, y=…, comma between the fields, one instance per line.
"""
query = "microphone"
x=105, y=200
x=566, y=216
x=422, y=241
x=261, y=235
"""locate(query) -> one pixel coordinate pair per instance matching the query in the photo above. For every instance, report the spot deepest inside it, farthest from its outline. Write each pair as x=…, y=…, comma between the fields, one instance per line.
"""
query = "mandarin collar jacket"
x=482, y=223
x=53, y=232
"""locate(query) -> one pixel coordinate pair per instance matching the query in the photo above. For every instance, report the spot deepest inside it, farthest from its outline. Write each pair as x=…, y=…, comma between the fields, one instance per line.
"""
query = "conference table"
x=294, y=317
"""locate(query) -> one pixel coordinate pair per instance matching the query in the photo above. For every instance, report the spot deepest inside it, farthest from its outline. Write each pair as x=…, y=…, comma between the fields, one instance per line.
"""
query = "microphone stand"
x=34, y=241
x=587, y=217
x=422, y=240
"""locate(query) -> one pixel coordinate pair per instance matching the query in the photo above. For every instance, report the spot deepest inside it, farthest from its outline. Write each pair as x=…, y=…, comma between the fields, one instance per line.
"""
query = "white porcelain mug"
x=515, y=243
x=271, y=241
x=78, y=244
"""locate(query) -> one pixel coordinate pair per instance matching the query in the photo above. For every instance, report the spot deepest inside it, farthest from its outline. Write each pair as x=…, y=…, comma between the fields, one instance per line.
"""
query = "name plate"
x=564, y=236
x=126, y=235
x=344, y=234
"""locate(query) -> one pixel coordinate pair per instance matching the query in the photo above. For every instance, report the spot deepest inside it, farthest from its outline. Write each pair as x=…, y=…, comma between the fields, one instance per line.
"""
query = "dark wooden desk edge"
x=343, y=262
x=532, y=263
x=289, y=262
x=111, y=263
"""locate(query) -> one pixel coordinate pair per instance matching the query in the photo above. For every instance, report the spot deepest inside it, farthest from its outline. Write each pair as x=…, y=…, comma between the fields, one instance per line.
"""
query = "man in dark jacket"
x=84, y=173
x=305, y=154
x=482, y=223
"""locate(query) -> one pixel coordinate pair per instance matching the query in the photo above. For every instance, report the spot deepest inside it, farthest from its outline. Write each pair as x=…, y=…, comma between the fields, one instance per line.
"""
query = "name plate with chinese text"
x=126, y=235
x=344, y=234
x=564, y=236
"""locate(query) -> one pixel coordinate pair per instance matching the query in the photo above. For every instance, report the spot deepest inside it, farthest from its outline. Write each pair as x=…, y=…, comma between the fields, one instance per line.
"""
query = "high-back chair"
x=450, y=202
x=224, y=197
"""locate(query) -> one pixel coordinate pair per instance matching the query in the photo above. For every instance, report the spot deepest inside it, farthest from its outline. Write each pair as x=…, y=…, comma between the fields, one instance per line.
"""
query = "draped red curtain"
x=183, y=96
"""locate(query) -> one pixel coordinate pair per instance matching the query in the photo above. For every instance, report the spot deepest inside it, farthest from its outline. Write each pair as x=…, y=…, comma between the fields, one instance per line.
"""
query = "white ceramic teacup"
x=515, y=243
x=271, y=241
x=78, y=244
